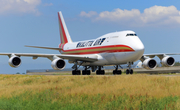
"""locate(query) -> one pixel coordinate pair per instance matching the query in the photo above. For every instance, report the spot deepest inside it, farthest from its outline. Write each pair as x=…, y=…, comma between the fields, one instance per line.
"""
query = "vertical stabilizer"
x=64, y=34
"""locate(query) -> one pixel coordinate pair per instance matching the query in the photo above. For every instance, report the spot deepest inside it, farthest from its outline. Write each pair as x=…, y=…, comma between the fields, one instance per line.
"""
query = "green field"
x=125, y=92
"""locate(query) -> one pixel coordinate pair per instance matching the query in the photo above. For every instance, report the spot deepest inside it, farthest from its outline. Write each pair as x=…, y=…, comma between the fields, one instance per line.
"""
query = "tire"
x=88, y=72
x=127, y=71
x=102, y=72
x=119, y=72
x=78, y=72
x=97, y=72
x=84, y=72
x=114, y=72
x=73, y=72
x=131, y=71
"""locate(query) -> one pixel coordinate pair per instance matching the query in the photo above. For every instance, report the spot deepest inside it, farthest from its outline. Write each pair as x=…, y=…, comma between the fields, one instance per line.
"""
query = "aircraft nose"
x=138, y=51
x=138, y=47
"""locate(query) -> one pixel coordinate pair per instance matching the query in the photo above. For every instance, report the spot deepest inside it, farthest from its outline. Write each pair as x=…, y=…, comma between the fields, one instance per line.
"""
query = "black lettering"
x=102, y=40
x=84, y=44
x=99, y=41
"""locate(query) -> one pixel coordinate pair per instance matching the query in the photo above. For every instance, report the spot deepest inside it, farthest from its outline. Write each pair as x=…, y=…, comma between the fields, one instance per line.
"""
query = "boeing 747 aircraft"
x=115, y=48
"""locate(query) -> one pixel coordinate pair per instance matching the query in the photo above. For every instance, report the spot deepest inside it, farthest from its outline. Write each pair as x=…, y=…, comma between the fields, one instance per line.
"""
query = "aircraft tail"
x=64, y=34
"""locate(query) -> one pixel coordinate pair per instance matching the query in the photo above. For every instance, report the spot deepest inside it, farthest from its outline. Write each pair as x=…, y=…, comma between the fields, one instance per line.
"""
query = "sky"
x=35, y=22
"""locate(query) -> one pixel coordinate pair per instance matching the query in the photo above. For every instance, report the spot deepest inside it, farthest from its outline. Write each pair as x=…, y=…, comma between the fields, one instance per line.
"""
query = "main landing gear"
x=99, y=71
x=129, y=71
x=116, y=71
x=78, y=72
x=86, y=72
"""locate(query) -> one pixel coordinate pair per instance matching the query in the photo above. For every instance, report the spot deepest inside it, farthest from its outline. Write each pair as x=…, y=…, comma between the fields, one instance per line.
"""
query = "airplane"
x=116, y=48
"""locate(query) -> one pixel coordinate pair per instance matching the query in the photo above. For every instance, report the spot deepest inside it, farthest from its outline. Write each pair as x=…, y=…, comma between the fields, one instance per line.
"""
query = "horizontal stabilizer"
x=44, y=47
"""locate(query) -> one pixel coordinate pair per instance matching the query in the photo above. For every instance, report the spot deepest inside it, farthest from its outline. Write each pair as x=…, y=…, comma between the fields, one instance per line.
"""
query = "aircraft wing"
x=44, y=47
x=159, y=54
x=87, y=58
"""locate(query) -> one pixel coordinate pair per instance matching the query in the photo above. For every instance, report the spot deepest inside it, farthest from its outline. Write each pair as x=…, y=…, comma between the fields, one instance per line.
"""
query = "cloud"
x=155, y=15
x=19, y=6
x=90, y=14
x=118, y=14
x=48, y=4
x=158, y=13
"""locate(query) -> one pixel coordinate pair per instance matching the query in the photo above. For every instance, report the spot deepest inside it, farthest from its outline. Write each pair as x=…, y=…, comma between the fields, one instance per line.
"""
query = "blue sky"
x=35, y=22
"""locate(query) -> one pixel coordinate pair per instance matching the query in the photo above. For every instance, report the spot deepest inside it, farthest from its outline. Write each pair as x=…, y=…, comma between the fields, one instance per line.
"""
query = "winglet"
x=64, y=34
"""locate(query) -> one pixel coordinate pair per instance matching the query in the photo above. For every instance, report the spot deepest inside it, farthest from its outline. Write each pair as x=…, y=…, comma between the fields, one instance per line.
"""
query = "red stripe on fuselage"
x=89, y=50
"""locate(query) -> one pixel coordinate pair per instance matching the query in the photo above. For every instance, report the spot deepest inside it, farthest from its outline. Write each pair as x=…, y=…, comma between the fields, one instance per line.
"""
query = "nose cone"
x=136, y=44
x=138, y=47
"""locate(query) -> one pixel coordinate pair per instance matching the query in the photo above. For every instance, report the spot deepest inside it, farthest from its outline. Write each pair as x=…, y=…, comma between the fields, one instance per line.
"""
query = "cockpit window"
x=131, y=35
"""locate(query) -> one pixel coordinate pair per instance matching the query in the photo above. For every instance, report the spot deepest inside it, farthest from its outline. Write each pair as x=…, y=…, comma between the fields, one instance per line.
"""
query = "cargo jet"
x=115, y=48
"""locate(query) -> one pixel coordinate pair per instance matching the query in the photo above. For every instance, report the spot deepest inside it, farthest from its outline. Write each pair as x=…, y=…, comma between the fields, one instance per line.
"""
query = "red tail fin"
x=64, y=34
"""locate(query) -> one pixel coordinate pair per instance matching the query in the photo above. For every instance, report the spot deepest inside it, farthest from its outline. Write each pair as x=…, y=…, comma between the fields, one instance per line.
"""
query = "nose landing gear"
x=129, y=71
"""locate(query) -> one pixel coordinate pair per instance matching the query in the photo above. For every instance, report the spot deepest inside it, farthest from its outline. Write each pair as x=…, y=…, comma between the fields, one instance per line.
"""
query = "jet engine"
x=149, y=64
x=58, y=64
x=168, y=61
x=15, y=61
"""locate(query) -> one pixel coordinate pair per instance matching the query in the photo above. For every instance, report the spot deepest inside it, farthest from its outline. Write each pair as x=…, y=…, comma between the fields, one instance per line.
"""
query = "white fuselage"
x=110, y=49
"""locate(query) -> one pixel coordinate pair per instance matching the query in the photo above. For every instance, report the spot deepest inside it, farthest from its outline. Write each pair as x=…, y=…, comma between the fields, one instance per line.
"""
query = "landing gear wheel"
x=86, y=72
x=131, y=71
x=100, y=72
x=127, y=71
x=76, y=72
x=114, y=72
x=97, y=72
x=118, y=72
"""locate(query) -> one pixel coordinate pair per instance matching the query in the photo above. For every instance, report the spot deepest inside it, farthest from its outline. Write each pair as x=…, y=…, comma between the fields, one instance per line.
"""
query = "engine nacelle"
x=14, y=61
x=149, y=64
x=58, y=64
x=168, y=61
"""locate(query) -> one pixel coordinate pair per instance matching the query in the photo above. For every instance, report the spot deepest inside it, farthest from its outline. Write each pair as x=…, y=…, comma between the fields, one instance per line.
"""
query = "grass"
x=125, y=92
